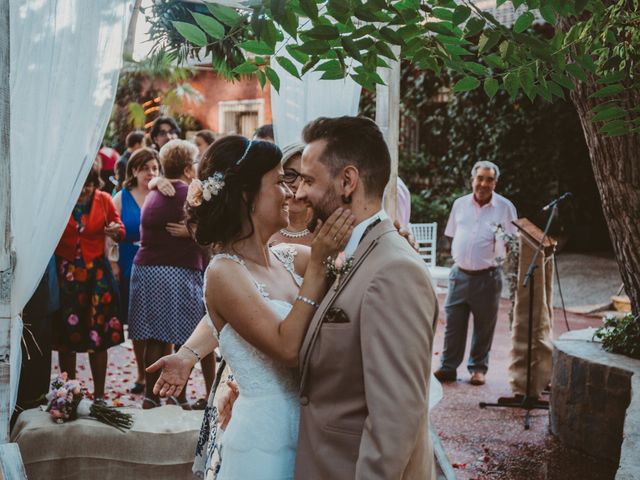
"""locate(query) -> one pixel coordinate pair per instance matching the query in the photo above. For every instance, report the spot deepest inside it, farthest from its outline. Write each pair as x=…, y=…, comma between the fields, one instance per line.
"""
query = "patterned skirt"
x=165, y=303
x=88, y=317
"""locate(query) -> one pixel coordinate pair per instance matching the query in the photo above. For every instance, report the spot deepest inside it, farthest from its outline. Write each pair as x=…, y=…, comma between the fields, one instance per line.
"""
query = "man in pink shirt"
x=475, y=281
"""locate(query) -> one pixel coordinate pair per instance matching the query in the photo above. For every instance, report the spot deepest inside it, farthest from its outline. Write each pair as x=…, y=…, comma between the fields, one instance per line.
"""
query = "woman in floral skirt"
x=88, y=317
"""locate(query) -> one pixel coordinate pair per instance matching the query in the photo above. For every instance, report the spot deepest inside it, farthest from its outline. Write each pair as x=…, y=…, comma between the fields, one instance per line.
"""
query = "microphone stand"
x=529, y=402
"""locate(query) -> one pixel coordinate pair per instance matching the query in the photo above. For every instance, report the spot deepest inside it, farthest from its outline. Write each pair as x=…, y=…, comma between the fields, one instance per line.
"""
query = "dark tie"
x=369, y=228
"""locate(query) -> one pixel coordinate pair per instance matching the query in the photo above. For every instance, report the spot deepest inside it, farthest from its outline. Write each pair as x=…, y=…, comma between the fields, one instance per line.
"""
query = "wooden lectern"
x=542, y=346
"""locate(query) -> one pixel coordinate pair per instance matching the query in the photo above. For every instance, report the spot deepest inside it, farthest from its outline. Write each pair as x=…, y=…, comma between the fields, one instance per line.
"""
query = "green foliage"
x=621, y=335
x=539, y=147
x=146, y=81
x=603, y=41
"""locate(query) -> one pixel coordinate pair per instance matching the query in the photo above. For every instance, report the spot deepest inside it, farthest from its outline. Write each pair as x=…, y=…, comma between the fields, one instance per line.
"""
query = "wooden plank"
x=11, y=467
x=535, y=234
x=6, y=267
x=388, y=119
x=444, y=470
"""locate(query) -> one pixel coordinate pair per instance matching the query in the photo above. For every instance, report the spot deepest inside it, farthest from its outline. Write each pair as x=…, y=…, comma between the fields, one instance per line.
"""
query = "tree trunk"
x=616, y=167
x=129, y=43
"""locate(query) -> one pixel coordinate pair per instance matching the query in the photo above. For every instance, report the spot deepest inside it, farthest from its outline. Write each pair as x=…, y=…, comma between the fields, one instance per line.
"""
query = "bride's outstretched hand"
x=174, y=374
x=332, y=235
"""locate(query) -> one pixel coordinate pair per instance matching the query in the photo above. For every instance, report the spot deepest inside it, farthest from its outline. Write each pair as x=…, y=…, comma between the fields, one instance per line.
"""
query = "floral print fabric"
x=88, y=319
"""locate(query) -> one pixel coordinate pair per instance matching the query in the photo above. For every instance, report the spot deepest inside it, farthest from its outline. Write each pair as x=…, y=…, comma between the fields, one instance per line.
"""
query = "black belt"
x=477, y=272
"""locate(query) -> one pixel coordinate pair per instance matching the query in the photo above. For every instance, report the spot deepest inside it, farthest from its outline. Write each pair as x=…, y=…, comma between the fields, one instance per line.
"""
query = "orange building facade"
x=229, y=107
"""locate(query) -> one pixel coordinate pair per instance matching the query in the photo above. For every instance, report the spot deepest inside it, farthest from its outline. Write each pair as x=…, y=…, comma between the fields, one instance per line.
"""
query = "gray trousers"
x=470, y=294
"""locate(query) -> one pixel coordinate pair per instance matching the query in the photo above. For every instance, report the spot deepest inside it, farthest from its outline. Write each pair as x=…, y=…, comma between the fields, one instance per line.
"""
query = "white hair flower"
x=212, y=186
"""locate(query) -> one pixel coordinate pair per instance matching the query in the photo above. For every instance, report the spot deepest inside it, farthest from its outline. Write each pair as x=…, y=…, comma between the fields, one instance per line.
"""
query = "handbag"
x=113, y=250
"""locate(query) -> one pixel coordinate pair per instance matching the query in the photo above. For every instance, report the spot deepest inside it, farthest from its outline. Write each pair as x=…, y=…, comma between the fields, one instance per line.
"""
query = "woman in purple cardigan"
x=166, y=279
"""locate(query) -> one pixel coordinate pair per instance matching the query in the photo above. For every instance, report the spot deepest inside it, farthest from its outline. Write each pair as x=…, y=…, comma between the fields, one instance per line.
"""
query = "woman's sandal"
x=174, y=401
x=137, y=388
x=149, y=403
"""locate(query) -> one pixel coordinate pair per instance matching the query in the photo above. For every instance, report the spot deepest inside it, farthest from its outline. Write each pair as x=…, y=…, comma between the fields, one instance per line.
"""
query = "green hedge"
x=538, y=146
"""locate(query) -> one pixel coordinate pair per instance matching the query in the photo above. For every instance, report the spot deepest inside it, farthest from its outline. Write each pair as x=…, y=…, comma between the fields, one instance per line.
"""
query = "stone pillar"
x=595, y=401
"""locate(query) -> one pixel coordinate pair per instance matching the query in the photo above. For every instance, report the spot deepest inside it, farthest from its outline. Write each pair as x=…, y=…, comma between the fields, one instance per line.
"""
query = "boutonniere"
x=337, y=267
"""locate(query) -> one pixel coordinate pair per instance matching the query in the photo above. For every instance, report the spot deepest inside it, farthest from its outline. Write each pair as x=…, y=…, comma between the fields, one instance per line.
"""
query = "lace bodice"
x=256, y=373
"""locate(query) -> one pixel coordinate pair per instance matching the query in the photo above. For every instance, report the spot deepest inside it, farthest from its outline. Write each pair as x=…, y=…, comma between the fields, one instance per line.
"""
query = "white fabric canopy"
x=66, y=56
x=301, y=101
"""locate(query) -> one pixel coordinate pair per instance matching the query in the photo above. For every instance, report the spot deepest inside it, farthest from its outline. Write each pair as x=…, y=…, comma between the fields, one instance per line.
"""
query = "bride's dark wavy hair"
x=219, y=220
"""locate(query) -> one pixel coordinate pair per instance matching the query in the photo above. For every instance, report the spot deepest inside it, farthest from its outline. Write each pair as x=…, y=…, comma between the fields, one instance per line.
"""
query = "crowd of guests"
x=126, y=241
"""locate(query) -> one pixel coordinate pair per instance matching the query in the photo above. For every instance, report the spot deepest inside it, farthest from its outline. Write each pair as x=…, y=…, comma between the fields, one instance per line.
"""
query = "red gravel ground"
x=482, y=444
x=491, y=443
x=121, y=374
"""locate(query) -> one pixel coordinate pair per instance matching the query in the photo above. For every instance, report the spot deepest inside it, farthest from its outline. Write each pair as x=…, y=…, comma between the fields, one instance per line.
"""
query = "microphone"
x=557, y=201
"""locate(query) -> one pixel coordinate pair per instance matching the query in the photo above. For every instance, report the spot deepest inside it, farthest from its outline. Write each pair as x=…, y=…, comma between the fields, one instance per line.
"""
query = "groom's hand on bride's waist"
x=225, y=403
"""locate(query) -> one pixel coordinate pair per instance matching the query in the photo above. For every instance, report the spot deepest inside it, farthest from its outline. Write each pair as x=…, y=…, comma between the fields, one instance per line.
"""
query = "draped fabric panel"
x=301, y=101
x=66, y=56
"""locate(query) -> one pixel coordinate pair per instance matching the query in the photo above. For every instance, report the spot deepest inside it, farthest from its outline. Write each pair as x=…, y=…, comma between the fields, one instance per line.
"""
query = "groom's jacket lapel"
x=366, y=246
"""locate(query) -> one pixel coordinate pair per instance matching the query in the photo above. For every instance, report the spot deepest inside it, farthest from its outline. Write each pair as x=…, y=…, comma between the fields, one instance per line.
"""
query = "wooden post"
x=388, y=119
x=11, y=467
x=6, y=267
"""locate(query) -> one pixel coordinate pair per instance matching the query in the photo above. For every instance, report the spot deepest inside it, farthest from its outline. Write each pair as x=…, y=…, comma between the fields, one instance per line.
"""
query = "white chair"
x=426, y=238
x=425, y=235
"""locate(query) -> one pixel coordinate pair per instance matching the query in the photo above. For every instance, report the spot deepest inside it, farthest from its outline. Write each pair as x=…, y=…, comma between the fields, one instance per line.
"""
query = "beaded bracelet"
x=192, y=351
x=308, y=301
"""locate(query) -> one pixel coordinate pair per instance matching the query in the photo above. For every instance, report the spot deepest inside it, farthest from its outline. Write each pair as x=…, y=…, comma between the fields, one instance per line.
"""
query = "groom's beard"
x=323, y=210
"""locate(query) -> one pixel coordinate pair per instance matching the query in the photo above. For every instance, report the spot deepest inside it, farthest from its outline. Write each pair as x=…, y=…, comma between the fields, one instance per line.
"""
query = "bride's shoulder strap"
x=228, y=256
x=286, y=253
x=217, y=257
x=235, y=258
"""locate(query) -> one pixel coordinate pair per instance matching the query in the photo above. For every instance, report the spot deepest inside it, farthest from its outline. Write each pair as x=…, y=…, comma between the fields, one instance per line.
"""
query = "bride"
x=260, y=300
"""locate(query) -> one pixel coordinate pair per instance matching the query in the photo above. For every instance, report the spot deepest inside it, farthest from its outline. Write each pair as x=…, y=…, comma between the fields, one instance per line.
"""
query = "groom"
x=366, y=360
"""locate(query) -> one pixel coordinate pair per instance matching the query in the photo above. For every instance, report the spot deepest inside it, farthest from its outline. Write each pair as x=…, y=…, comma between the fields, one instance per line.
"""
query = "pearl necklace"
x=286, y=233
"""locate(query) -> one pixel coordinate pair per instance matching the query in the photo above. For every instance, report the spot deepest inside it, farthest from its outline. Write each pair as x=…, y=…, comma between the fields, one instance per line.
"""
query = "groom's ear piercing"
x=345, y=199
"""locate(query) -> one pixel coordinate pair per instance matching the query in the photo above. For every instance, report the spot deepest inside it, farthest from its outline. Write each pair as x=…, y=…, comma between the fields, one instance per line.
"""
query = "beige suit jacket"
x=365, y=365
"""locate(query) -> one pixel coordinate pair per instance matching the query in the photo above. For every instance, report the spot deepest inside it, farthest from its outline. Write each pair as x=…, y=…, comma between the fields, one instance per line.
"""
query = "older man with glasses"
x=475, y=281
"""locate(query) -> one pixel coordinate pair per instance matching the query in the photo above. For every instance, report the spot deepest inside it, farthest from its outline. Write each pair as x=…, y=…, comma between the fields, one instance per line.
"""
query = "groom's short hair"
x=353, y=141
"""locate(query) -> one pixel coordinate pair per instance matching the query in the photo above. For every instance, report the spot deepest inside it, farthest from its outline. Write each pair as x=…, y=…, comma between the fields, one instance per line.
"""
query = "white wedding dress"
x=260, y=441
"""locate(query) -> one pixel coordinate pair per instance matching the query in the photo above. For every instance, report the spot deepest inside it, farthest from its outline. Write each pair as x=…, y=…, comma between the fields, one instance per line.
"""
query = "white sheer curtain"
x=65, y=61
x=301, y=101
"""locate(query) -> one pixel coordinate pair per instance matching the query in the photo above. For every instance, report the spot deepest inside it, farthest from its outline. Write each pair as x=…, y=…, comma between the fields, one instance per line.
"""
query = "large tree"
x=592, y=53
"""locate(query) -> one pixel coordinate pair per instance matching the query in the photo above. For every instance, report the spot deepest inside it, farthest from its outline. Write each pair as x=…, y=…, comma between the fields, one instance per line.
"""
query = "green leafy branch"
x=355, y=38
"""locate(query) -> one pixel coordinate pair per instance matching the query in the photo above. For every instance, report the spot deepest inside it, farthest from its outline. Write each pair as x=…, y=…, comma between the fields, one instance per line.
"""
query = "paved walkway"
x=492, y=443
x=586, y=279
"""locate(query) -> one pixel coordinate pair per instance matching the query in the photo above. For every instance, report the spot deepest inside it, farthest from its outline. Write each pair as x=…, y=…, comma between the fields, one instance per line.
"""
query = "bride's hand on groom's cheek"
x=333, y=234
x=225, y=403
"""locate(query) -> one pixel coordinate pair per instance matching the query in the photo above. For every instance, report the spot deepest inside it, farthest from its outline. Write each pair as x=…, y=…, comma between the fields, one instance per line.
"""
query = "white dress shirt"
x=475, y=246
x=359, y=230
